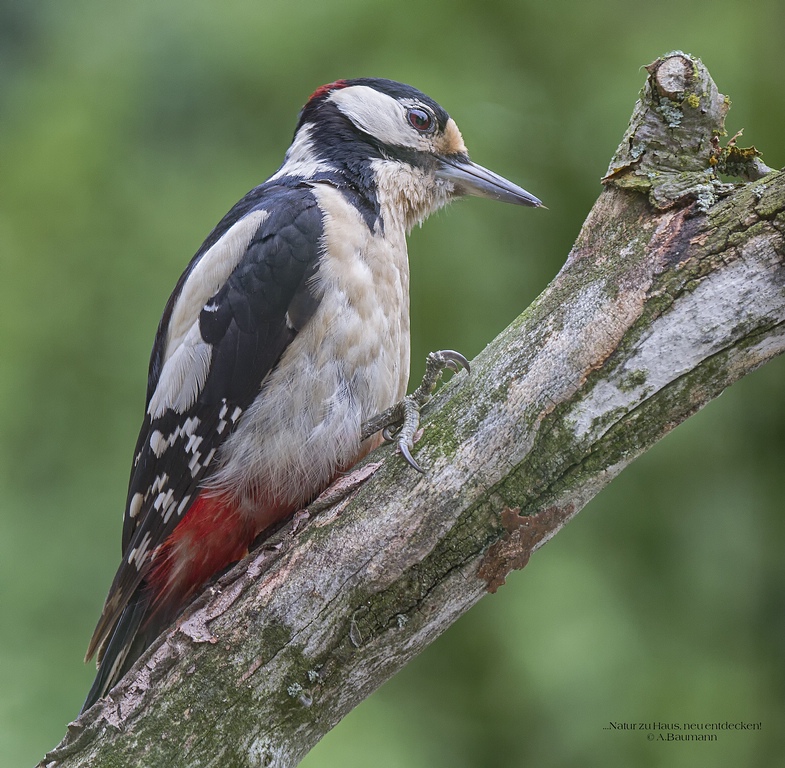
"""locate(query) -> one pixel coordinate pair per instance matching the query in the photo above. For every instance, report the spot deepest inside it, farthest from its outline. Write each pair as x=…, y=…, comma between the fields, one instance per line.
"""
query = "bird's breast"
x=348, y=363
x=363, y=318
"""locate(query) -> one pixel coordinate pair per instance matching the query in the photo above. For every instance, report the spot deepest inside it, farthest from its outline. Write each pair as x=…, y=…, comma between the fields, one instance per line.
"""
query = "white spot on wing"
x=136, y=505
x=158, y=484
x=194, y=464
x=138, y=554
x=157, y=443
x=190, y=425
x=163, y=499
x=168, y=510
x=193, y=443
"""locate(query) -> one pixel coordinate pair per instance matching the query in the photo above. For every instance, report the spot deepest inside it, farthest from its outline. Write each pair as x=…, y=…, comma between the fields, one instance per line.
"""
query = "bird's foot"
x=400, y=423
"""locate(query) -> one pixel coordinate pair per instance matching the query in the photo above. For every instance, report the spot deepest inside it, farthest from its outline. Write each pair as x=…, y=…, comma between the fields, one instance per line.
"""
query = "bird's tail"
x=117, y=656
x=135, y=631
x=211, y=536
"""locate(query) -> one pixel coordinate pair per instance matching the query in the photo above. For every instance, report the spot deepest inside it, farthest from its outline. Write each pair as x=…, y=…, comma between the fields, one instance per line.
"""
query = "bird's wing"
x=238, y=305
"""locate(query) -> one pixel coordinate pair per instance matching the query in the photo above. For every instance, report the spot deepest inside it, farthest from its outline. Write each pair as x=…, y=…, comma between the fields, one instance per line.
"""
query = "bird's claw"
x=401, y=422
x=409, y=425
x=453, y=360
x=407, y=454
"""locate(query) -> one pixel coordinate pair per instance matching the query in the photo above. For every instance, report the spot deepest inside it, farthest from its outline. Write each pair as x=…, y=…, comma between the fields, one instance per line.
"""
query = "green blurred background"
x=128, y=129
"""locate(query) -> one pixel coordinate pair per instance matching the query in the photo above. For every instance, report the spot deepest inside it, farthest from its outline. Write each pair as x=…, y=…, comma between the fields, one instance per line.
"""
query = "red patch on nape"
x=325, y=89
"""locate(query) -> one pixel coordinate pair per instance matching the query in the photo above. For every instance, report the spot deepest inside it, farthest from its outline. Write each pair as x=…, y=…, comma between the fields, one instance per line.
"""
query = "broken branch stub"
x=671, y=149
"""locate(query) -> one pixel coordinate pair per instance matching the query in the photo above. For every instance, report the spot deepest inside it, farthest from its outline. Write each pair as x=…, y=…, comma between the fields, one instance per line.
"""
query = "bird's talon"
x=403, y=419
x=406, y=453
x=455, y=361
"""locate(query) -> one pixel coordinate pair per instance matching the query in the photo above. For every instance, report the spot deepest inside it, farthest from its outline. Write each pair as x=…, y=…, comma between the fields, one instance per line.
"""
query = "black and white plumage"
x=287, y=331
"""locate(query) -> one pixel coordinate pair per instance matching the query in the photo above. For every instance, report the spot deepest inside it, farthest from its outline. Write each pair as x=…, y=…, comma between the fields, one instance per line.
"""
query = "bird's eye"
x=420, y=120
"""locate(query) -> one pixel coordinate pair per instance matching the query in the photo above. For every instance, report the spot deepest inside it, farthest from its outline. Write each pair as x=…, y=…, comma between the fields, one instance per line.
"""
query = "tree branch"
x=673, y=291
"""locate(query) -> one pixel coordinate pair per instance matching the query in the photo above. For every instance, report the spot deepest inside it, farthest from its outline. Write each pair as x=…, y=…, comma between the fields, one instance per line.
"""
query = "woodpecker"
x=287, y=331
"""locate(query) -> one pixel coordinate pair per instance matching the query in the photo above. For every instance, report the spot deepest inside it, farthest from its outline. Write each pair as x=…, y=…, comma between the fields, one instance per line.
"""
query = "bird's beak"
x=472, y=179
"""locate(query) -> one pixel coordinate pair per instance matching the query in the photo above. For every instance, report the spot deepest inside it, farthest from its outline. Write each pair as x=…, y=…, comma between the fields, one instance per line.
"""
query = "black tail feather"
x=125, y=646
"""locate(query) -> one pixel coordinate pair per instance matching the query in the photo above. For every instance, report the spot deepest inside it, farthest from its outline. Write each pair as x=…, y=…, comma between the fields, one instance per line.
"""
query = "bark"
x=673, y=291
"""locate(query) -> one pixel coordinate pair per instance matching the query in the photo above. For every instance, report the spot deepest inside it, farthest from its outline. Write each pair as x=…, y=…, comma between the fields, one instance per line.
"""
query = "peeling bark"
x=674, y=290
x=525, y=533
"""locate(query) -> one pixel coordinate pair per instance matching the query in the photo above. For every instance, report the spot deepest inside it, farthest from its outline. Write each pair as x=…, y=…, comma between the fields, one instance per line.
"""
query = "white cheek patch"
x=379, y=115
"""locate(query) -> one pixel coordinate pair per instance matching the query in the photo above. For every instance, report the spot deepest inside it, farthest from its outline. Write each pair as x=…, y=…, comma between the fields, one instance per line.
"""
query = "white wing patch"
x=182, y=377
x=209, y=274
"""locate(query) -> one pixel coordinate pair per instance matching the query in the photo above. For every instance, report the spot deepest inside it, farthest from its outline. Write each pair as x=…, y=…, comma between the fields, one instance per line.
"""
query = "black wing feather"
x=248, y=323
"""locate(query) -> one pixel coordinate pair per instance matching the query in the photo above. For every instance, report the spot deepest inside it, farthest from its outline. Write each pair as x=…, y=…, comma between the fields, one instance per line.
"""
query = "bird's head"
x=394, y=143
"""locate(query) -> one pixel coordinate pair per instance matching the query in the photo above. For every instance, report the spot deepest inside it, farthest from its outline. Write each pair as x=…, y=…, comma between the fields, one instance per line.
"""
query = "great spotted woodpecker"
x=288, y=330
